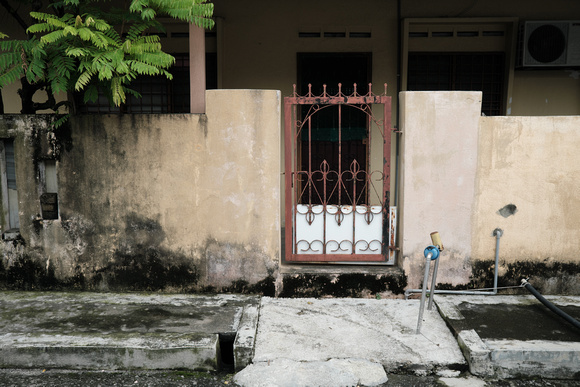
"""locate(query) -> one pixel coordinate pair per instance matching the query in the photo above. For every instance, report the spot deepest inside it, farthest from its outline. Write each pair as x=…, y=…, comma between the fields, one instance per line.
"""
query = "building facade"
x=480, y=134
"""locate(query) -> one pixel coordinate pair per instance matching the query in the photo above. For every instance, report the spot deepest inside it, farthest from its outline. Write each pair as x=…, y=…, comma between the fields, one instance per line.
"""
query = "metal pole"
x=433, y=283
x=423, y=294
x=498, y=233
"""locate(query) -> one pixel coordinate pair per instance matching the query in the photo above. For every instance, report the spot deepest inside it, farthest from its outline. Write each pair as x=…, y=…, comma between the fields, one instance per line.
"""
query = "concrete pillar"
x=438, y=169
x=197, y=68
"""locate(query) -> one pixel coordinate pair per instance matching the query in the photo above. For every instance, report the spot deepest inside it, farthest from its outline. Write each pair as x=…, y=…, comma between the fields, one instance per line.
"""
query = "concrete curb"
x=246, y=337
x=124, y=352
x=126, y=331
x=502, y=359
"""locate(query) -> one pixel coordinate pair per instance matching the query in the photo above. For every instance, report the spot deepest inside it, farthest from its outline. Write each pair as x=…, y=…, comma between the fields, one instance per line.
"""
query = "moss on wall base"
x=146, y=270
x=547, y=277
x=265, y=287
x=343, y=285
x=28, y=273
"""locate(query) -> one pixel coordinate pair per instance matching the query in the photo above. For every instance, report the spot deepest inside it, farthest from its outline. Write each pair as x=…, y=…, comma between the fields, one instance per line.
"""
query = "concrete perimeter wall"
x=465, y=175
x=176, y=202
x=192, y=202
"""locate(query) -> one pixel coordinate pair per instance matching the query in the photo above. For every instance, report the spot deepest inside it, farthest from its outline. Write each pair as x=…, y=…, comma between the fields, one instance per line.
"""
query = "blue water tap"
x=434, y=250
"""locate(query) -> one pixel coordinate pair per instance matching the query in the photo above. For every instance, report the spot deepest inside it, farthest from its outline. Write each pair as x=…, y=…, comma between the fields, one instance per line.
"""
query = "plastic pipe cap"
x=434, y=252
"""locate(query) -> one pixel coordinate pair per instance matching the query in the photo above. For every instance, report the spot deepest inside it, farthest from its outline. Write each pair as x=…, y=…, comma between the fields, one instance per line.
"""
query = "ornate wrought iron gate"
x=337, y=206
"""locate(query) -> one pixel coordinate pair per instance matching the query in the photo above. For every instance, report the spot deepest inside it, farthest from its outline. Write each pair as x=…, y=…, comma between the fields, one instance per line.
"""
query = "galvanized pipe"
x=433, y=283
x=428, y=257
x=498, y=233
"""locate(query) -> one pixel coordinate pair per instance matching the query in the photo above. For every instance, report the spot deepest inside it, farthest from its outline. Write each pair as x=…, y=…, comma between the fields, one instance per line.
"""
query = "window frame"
x=10, y=210
x=450, y=36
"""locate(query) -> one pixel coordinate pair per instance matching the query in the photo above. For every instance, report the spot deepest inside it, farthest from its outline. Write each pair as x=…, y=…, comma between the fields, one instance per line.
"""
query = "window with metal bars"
x=11, y=222
x=158, y=94
x=460, y=71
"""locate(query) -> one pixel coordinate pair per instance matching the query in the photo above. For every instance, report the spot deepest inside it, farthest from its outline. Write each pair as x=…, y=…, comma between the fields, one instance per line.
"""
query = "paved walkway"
x=343, y=342
x=285, y=342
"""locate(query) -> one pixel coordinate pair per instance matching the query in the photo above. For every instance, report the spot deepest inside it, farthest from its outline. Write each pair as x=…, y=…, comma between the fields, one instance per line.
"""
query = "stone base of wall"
x=29, y=271
x=388, y=285
x=550, y=278
x=150, y=271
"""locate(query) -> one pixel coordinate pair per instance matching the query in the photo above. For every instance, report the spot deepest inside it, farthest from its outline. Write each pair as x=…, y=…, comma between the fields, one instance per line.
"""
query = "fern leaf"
x=117, y=91
x=134, y=93
x=85, y=33
x=51, y=19
x=136, y=6
x=136, y=30
x=70, y=30
x=9, y=59
x=11, y=75
x=144, y=68
x=148, y=14
x=76, y=51
x=83, y=80
x=41, y=15
x=60, y=121
x=52, y=37
x=106, y=72
x=39, y=28
x=91, y=94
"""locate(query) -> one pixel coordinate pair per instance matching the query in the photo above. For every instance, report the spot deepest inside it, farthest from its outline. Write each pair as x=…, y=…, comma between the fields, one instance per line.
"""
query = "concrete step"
x=127, y=331
x=514, y=336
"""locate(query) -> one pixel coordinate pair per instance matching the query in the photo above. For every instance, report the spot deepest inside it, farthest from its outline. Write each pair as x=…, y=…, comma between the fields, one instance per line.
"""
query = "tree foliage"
x=90, y=45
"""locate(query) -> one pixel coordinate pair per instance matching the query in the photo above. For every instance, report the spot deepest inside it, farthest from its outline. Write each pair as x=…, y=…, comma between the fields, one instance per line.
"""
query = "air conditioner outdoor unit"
x=550, y=44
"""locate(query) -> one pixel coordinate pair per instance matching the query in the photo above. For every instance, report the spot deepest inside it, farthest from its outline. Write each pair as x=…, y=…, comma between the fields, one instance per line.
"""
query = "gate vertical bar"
x=386, y=168
x=288, y=177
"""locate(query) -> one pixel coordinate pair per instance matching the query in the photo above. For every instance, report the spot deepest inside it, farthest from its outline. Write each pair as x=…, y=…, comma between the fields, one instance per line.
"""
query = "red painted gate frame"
x=291, y=166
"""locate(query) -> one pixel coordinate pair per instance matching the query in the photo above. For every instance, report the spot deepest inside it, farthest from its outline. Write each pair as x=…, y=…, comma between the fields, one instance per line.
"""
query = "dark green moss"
x=546, y=276
x=265, y=287
x=143, y=265
x=148, y=270
x=27, y=273
x=343, y=285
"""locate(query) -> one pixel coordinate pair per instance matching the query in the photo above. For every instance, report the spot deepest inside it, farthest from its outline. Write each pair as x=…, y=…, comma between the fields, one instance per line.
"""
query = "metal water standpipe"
x=431, y=254
x=498, y=233
x=436, y=240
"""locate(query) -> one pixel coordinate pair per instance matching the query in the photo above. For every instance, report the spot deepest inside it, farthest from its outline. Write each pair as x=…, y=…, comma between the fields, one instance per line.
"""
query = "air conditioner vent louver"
x=550, y=44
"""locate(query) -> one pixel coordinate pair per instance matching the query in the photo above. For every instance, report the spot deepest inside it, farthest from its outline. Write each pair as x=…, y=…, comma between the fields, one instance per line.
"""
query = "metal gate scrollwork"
x=337, y=177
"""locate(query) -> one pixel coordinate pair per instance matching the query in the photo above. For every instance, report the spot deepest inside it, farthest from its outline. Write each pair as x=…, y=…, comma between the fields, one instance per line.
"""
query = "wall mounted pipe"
x=549, y=305
x=498, y=233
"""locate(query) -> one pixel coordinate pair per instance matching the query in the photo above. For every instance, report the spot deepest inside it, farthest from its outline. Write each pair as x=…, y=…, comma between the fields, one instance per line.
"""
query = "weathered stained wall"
x=528, y=183
x=438, y=170
x=190, y=202
x=465, y=175
x=176, y=202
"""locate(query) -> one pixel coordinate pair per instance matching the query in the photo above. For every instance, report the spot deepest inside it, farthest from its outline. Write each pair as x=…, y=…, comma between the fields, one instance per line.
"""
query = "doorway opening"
x=324, y=143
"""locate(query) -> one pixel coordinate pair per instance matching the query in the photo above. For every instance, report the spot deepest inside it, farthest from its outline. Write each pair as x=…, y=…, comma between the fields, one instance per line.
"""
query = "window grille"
x=460, y=71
